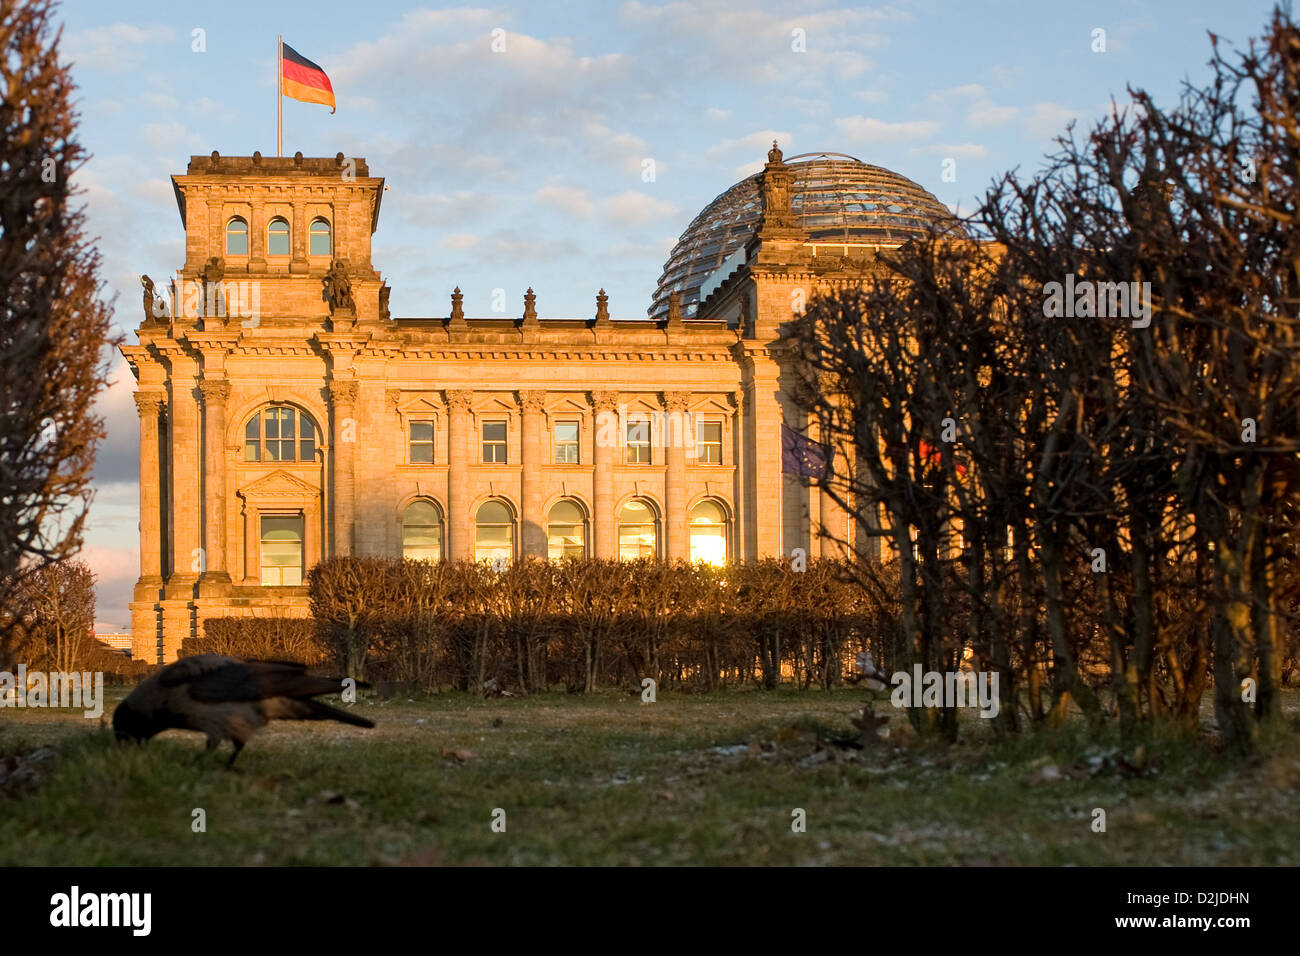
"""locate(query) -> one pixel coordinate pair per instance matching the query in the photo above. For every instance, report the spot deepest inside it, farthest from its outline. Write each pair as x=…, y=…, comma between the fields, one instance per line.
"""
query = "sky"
x=565, y=146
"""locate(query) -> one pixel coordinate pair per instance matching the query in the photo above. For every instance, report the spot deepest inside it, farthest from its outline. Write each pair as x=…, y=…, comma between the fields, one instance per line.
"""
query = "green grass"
x=605, y=779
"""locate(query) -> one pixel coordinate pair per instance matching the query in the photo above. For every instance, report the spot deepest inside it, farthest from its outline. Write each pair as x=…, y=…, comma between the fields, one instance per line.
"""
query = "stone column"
x=215, y=580
x=187, y=507
x=458, y=497
x=298, y=263
x=257, y=237
x=676, y=541
x=817, y=544
x=144, y=598
x=252, y=545
x=767, y=480
x=343, y=401
x=605, y=442
x=311, y=535
x=741, y=544
x=532, y=522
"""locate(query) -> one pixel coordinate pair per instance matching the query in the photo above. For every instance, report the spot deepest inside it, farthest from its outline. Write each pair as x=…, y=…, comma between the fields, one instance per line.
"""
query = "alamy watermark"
x=652, y=428
x=196, y=299
x=951, y=689
x=1086, y=299
x=129, y=910
x=73, y=689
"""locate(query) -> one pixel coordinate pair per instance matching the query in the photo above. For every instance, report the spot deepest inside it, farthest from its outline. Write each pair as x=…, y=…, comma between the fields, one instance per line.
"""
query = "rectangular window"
x=638, y=442
x=566, y=443
x=421, y=443
x=494, y=443
x=282, y=550
x=708, y=443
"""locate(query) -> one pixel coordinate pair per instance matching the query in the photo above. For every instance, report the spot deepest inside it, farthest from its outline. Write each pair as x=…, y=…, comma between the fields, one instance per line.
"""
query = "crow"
x=227, y=699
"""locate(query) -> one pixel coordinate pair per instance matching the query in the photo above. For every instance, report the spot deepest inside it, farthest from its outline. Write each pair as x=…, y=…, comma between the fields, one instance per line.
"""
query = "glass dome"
x=836, y=199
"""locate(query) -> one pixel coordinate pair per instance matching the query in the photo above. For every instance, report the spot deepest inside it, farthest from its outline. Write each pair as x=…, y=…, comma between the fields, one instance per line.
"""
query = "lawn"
x=606, y=779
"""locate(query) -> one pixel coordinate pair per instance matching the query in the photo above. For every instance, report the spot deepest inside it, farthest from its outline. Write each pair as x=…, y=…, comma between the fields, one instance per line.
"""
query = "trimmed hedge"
x=583, y=624
x=265, y=638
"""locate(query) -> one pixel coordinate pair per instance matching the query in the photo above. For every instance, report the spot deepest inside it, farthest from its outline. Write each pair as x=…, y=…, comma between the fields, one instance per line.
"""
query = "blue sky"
x=525, y=167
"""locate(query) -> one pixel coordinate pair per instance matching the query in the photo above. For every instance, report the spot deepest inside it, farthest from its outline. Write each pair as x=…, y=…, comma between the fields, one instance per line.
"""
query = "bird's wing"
x=189, y=669
x=257, y=680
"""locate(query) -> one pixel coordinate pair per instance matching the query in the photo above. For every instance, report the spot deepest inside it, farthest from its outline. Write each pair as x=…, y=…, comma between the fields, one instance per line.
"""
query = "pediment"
x=279, y=484
x=420, y=406
x=494, y=405
x=567, y=406
x=641, y=405
x=711, y=404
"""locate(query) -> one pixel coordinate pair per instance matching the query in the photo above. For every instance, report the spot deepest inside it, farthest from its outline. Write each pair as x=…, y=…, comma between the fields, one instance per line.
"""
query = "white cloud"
x=960, y=150
x=987, y=113
x=633, y=208
x=116, y=48
x=171, y=138
x=716, y=115
x=622, y=151
x=434, y=210
x=1049, y=119
x=1004, y=75
x=872, y=96
x=757, y=143
x=459, y=241
x=747, y=44
x=866, y=129
x=1040, y=119
x=964, y=91
x=570, y=200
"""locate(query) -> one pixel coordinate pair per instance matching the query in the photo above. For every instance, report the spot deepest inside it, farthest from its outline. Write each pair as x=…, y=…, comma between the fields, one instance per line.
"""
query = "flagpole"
x=279, y=99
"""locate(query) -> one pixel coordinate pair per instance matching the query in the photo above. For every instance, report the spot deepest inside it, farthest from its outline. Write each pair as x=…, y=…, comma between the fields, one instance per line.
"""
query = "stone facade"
x=272, y=329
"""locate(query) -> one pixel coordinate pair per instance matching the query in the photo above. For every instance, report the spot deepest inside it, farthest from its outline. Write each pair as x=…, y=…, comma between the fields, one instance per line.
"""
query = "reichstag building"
x=286, y=416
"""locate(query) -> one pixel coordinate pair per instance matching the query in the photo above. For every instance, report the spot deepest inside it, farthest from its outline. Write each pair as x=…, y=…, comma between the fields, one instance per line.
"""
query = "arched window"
x=708, y=533
x=638, y=531
x=280, y=433
x=422, y=531
x=494, y=532
x=318, y=238
x=236, y=237
x=566, y=531
x=277, y=238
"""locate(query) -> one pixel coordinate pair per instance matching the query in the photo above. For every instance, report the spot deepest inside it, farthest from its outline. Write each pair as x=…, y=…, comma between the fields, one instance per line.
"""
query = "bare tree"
x=53, y=608
x=54, y=322
x=1144, y=439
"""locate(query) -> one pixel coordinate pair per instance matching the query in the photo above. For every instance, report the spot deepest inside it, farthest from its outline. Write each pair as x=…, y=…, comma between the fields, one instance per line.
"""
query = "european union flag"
x=802, y=456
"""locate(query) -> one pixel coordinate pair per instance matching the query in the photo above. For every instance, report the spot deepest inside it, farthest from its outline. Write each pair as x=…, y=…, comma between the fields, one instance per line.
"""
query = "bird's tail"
x=321, y=711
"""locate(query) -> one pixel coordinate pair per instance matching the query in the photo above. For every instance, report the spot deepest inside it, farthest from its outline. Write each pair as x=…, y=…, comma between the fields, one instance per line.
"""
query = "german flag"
x=303, y=80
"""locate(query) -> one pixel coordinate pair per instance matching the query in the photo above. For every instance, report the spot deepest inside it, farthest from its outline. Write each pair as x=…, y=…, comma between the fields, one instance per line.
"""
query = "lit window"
x=421, y=443
x=318, y=238
x=277, y=238
x=422, y=532
x=280, y=433
x=236, y=237
x=281, y=550
x=566, y=443
x=566, y=531
x=638, y=442
x=494, y=442
x=708, y=532
x=708, y=443
x=494, y=532
x=638, y=531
